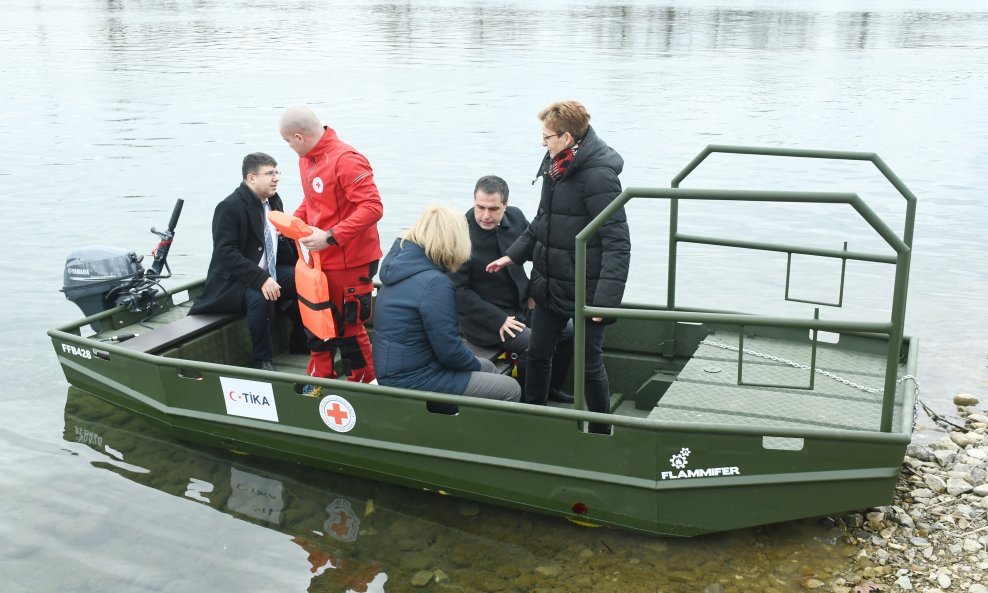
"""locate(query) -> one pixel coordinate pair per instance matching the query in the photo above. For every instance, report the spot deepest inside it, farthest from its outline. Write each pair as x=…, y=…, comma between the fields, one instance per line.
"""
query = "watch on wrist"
x=329, y=237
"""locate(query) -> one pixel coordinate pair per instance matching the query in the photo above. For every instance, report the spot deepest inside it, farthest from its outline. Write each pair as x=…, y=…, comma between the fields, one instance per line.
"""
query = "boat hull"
x=521, y=456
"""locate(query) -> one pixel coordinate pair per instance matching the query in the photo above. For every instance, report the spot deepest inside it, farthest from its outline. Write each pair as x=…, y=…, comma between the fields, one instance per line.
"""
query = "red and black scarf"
x=562, y=161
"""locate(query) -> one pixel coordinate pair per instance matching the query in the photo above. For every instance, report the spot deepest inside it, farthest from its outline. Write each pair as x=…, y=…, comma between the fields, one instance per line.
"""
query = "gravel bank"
x=933, y=538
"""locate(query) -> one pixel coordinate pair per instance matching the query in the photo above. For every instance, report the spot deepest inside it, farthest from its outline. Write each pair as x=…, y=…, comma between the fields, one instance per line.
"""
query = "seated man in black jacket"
x=253, y=267
x=494, y=309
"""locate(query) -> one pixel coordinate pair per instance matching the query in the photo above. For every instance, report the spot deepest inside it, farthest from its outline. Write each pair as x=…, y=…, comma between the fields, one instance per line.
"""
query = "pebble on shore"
x=933, y=538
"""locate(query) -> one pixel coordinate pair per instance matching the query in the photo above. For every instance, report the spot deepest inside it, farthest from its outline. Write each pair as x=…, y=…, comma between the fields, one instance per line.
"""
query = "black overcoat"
x=480, y=318
x=238, y=242
x=567, y=205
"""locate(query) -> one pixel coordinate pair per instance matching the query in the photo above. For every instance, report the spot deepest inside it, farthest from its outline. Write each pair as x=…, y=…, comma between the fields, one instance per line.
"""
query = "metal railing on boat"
x=902, y=246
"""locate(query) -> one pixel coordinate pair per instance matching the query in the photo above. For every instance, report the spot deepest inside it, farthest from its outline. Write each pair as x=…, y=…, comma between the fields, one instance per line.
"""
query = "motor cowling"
x=95, y=274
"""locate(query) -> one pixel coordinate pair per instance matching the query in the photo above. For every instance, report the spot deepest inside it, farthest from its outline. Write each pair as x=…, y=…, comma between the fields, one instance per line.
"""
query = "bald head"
x=300, y=128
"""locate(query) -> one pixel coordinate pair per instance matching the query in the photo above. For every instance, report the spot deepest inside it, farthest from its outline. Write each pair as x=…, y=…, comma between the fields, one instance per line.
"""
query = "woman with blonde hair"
x=416, y=334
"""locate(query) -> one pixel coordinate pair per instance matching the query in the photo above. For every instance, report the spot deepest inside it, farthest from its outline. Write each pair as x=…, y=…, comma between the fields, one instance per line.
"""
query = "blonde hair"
x=443, y=234
x=566, y=116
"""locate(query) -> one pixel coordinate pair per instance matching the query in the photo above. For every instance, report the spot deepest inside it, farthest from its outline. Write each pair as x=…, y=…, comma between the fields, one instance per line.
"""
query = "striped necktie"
x=269, y=253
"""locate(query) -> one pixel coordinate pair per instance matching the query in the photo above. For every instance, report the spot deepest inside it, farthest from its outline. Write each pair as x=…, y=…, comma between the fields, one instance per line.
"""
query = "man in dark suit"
x=252, y=267
x=495, y=309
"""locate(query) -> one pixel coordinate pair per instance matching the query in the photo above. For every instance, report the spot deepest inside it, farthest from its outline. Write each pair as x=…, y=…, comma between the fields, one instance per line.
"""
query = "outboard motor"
x=98, y=278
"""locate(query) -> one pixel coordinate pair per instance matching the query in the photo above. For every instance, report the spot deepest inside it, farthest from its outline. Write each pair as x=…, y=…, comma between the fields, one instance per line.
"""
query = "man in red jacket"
x=342, y=204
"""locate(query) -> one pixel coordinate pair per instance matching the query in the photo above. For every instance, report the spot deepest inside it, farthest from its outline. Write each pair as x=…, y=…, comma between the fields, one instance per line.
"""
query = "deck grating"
x=707, y=389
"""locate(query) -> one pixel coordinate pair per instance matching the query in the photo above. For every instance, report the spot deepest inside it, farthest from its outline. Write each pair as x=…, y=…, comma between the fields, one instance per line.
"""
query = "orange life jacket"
x=317, y=310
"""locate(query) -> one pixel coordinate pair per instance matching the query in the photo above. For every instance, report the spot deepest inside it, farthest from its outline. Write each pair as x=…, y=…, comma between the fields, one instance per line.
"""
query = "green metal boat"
x=721, y=419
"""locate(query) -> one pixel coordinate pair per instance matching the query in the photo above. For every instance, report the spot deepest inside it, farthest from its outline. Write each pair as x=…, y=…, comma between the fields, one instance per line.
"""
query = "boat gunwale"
x=427, y=396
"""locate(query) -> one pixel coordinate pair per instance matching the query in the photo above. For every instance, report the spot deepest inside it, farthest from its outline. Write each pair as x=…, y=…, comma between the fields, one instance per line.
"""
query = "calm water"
x=111, y=110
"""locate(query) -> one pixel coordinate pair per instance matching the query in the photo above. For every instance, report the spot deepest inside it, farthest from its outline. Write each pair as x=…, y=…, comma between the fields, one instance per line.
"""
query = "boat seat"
x=170, y=334
x=491, y=354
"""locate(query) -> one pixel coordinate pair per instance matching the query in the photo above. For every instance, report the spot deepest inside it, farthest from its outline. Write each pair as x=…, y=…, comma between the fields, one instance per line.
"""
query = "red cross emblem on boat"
x=337, y=413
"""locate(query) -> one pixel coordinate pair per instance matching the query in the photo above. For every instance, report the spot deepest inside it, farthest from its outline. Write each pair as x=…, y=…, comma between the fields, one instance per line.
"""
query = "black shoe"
x=559, y=396
x=264, y=365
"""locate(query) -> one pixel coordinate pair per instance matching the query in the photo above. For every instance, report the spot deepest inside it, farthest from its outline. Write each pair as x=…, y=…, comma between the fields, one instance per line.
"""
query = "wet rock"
x=714, y=588
x=417, y=561
x=875, y=518
x=440, y=576
x=422, y=578
x=470, y=510
x=812, y=583
x=979, y=418
x=920, y=452
x=853, y=520
x=550, y=570
x=964, y=399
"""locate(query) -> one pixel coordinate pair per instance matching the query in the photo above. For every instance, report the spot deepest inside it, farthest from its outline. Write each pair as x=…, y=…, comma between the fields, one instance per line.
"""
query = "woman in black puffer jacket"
x=579, y=179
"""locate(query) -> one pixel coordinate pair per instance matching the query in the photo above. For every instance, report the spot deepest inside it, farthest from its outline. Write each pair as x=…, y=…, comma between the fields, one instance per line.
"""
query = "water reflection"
x=360, y=535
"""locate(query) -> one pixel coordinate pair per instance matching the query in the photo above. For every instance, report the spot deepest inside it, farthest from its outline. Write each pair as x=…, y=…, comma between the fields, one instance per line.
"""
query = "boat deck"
x=707, y=390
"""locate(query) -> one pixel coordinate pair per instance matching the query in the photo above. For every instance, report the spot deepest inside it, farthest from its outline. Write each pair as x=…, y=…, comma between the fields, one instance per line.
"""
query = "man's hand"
x=271, y=289
x=317, y=241
x=499, y=264
x=511, y=326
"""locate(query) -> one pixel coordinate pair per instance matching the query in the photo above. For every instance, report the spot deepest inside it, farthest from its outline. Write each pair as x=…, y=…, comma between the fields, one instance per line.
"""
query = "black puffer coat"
x=588, y=186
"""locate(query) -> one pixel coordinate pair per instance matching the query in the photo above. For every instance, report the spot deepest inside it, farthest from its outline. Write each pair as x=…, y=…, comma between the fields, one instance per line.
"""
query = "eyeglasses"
x=269, y=174
x=546, y=138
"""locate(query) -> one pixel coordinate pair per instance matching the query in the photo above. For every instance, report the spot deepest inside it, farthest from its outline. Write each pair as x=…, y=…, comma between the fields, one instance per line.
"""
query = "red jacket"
x=340, y=194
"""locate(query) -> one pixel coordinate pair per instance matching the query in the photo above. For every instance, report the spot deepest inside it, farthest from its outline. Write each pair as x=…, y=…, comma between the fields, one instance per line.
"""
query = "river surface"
x=113, y=109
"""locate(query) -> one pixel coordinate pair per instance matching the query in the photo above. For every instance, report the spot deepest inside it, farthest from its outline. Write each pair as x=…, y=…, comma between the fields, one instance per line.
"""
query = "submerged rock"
x=422, y=578
x=550, y=570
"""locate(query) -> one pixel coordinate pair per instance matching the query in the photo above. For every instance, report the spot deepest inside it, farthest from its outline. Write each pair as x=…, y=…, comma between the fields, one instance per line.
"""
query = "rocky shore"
x=933, y=538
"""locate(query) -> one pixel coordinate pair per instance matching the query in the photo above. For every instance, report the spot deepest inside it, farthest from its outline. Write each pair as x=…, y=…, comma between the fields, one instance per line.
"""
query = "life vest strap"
x=317, y=306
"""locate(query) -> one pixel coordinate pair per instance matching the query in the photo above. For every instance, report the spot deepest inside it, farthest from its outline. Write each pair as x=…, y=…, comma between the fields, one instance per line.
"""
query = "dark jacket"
x=485, y=300
x=238, y=242
x=416, y=342
x=588, y=186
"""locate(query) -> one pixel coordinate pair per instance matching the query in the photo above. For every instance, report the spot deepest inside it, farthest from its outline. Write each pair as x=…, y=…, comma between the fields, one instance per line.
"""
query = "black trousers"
x=260, y=312
x=547, y=327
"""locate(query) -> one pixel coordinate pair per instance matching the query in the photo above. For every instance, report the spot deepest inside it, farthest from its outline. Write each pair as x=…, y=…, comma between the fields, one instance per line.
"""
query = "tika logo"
x=337, y=413
x=76, y=351
x=317, y=185
x=251, y=399
x=680, y=460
